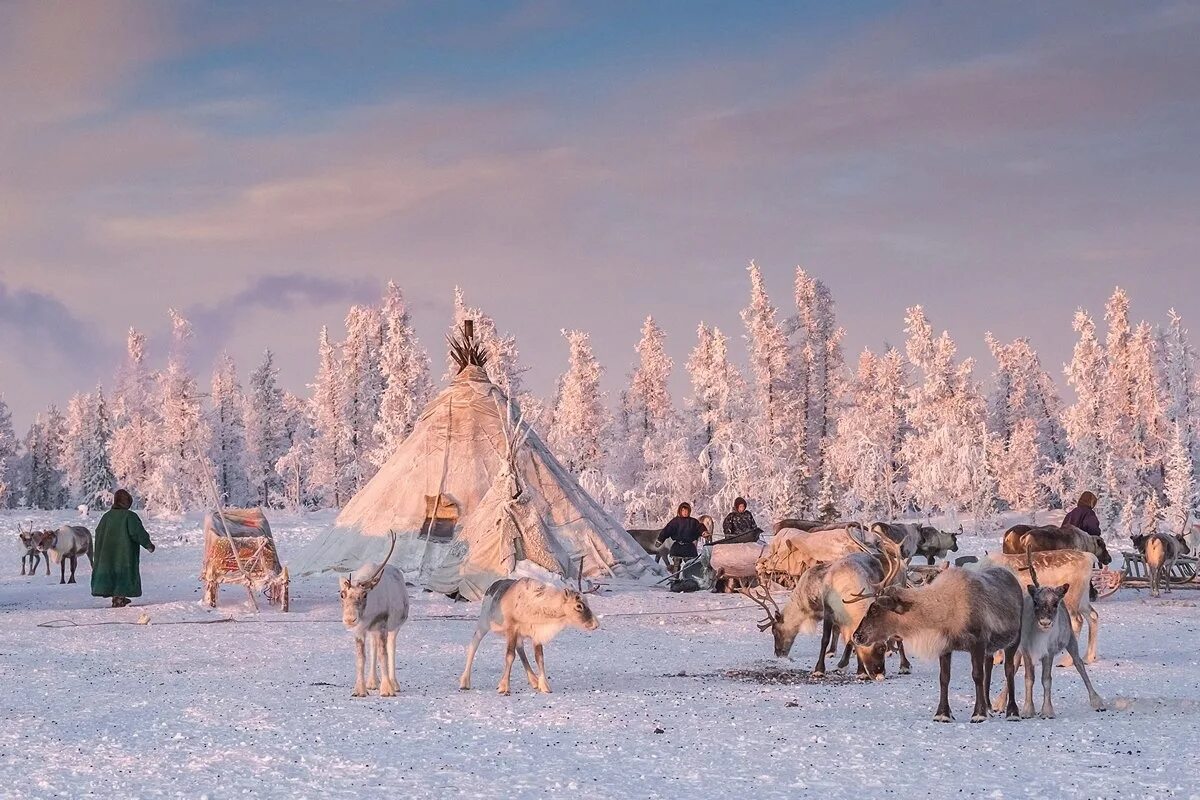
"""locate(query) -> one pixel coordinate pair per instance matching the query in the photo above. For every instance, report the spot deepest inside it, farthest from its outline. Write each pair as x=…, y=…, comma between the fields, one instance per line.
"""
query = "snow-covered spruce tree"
x=43, y=478
x=1180, y=483
x=362, y=388
x=945, y=450
x=330, y=439
x=648, y=429
x=404, y=365
x=135, y=418
x=865, y=452
x=1019, y=466
x=1118, y=421
x=1182, y=386
x=180, y=465
x=226, y=420
x=777, y=412
x=88, y=469
x=819, y=345
x=294, y=466
x=579, y=426
x=265, y=439
x=1150, y=432
x=725, y=460
x=1086, y=453
x=8, y=457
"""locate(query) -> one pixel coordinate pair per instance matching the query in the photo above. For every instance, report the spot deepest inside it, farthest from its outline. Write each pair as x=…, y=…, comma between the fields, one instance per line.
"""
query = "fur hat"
x=122, y=499
x=1088, y=499
x=739, y=501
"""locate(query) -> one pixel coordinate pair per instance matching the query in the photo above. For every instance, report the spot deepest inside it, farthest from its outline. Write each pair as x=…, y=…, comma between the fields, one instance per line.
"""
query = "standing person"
x=1083, y=515
x=117, y=571
x=740, y=522
x=684, y=531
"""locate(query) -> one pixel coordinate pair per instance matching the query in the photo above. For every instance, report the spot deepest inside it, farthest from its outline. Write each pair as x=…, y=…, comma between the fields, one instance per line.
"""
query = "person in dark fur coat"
x=740, y=522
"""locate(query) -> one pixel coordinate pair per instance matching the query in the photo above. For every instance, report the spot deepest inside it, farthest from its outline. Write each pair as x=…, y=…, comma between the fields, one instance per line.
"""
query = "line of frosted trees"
x=902, y=433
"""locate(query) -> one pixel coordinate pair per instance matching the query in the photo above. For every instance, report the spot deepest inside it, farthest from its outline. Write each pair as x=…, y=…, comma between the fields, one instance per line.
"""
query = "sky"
x=262, y=166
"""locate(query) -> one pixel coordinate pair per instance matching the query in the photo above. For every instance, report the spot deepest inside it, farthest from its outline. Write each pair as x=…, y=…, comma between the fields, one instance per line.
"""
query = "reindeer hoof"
x=503, y=690
x=1027, y=713
x=817, y=673
x=543, y=687
x=71, y=581
x=358, y=693
x=1012, y=716
x=943, y=718
x=977, y=718
x=464, y=687
x=905, y=669
x=387, y=690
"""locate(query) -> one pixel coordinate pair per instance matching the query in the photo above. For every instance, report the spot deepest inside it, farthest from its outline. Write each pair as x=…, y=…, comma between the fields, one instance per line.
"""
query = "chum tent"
x=469, y=493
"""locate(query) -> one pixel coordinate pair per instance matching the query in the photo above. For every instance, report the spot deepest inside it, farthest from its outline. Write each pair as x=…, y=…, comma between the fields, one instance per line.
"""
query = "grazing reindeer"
x=1045, y=632
x=68, y=542
x=374, y=606
x=820, y=598
x=525, y=609
x=1161, y=551
x=1020, y=538
x=961, y=610
x=32, y=555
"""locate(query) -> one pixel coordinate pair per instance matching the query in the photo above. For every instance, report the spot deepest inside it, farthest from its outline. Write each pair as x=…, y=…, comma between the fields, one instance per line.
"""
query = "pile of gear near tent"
x=471, y=492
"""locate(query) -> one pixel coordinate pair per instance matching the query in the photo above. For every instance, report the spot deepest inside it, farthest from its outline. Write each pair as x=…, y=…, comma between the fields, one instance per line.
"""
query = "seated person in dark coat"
x=740, y=523
x=684, y=531
x=1083, y=515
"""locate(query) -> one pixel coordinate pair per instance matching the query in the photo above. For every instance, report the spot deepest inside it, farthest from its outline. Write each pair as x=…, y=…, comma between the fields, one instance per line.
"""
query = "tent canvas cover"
x=469, y=493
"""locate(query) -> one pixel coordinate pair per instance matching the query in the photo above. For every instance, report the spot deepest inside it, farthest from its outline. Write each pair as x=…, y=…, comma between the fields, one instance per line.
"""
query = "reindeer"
x=32, y=555
x=1045, y=632
x=792, y=552
x=524, y=609
x=1058, y=567
x=977, y=612
x=820, y=598
x=918, y=540
x=374, y=606
x=68, y=542
x=1161, y=552
x=1020, y=538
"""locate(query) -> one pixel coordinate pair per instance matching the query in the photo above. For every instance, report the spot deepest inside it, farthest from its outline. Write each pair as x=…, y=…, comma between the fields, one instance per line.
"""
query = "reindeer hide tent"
x=470, y=492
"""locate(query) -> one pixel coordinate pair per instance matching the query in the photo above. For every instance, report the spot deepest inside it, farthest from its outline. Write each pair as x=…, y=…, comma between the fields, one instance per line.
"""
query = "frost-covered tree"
x=8, y=457
x=42, y=471
x=329, y=450
x=945, y=451
x=293, y=467
x=1182, y=386
x=404, y=365
x=264, y=426
x=777, y=412
x=362, y=388
x=180, y=466
x=135, y=417
x=226, y=421
x=579, y=426
x=865, y=454
x=721, y=439
x=1118, y=416
x=1019, y=466
x=1180, y=483
x=86, y=459
x=1086, y=454
x=1149, y=433
x=819, y=356
x=648, y=429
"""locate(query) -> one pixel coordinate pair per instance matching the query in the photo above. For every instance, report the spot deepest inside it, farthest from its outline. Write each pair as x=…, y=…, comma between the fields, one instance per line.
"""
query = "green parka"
x=116, y=572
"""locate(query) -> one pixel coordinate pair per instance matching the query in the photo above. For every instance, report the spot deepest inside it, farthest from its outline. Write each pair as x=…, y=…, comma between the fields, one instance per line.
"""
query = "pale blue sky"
x=263, y=165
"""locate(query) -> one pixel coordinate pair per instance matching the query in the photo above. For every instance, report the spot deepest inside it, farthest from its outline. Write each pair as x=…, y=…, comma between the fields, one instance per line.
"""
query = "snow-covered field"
x=648, y=706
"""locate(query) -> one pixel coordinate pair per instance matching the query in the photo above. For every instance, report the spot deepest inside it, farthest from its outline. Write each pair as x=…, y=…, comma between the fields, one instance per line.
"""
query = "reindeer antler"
x=893, y=566
x=386, y=559
x=762, y=600
x=1029, y=562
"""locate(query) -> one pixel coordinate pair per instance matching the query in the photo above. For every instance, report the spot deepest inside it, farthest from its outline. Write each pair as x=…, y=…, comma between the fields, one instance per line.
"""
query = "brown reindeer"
x=1161, y=552
x=68, y=542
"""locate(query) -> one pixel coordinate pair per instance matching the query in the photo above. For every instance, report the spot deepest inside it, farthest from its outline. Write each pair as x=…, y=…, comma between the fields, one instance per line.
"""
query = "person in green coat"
x=116, y=573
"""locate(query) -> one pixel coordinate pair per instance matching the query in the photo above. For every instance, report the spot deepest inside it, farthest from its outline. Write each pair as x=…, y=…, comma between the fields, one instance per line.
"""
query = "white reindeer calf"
x=374, y=606
x=525, y=609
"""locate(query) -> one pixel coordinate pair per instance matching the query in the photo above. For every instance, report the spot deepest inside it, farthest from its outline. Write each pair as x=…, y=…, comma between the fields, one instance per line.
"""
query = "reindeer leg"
x=529, y=673
x=23, y=559
x=1096, y=700
x=1047, y=680
x=905, y=667
x=826, y=635
x=46, y=558
x=1011, y=660
x=943, y=710
x=1077, y=628
x=844, y=661
x=464, y=682
x=391, y=659
x=510, y=655
x=540, y=655
x=834, y=635
x=387, y=683
x=74, y=562
x=1027, y=706
x=988, y=664
x=978, y=656
x=360, y=658
x=62, y=570
x=1093, y=632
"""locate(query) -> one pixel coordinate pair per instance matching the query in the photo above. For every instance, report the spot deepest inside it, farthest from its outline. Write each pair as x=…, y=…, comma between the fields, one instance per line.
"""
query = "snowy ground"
x=648, y=706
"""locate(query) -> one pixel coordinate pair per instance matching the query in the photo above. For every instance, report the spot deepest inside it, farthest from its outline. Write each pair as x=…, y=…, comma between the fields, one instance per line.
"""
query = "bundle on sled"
x=239, y=548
